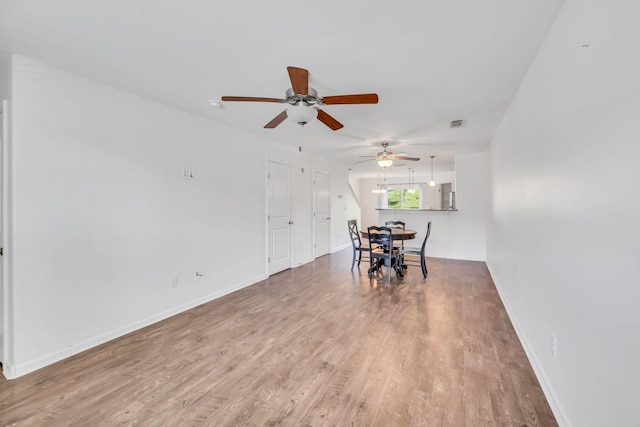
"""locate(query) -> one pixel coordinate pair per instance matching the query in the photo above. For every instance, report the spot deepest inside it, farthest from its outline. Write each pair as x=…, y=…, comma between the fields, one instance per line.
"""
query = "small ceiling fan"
x=302, y=99
x=385, y=158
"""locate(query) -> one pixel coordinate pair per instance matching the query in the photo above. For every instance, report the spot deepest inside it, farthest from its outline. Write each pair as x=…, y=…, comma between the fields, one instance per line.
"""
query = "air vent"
x=456, y=123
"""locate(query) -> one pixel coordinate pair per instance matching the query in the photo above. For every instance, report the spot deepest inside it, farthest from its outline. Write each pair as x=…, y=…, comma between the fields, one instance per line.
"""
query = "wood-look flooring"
x=318, y=345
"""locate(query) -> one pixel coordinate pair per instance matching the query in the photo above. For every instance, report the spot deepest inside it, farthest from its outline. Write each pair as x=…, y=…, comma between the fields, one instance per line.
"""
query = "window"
x=403, y=198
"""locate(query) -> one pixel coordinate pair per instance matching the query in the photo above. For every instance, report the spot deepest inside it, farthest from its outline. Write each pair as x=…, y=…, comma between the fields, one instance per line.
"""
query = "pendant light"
x=411, y=190
x=432, y=183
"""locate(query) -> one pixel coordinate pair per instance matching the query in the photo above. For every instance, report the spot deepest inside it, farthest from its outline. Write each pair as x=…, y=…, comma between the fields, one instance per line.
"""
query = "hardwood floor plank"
x=318, y=345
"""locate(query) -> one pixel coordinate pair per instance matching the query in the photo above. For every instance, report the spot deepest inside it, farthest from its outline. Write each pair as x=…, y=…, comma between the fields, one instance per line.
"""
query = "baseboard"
x=8, y=371
x=304, y=261
x=15, y=371
x=547, y=389
x=339, y=248
x=431, y=254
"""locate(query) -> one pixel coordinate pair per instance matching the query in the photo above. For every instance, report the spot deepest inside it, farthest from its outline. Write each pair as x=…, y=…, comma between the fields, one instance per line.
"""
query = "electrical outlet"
x=554, y=345
x=173, y=282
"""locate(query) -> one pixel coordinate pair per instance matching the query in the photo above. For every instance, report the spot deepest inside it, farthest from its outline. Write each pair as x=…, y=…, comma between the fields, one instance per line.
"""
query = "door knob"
x=290, y=222
x=328, y=218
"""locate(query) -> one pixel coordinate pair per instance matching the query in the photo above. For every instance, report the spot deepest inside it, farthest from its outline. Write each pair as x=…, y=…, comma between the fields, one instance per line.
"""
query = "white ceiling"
x=430, y=62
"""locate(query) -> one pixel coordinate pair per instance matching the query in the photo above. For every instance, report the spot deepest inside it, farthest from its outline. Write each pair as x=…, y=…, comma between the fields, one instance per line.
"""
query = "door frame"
x=5, y=296
x=266, y=215
x=313, y=208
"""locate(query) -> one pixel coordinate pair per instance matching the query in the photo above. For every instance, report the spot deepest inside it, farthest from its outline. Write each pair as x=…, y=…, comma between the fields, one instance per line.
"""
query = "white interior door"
x=321, y=213
x=279, y=216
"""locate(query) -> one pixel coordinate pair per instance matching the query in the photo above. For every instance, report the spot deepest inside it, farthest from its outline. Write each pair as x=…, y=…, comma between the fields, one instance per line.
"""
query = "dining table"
x=396, y=234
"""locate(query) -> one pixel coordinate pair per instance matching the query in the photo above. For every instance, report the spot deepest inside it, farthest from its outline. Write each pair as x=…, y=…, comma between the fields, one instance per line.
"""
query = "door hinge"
x=268, y=176
x=268, y=259
x=1, y=251
x=268, y=217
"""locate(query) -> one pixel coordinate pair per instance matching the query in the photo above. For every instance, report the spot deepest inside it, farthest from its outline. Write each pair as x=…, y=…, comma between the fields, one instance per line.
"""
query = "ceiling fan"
x=302, y=98
x=385, y=158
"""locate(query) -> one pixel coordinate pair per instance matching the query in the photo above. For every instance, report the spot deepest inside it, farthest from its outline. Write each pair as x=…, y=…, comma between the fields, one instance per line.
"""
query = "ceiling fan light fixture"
x=385, y=162
x=302, y=113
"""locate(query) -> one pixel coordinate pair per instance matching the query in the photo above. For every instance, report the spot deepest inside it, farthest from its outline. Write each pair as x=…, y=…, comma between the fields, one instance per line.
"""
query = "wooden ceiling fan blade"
x=328, y=120
x=299, y=80
x=415, y=159
x=363, y=161
x=277, y=120
x=363, y=98
x=252, y=99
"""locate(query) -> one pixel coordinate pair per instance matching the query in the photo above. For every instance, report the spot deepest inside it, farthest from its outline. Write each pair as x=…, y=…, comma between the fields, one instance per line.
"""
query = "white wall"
x=456, y=235
x=344, y=207
x=564, y=238
x=5, y=74
x=368, y=203
x=103, y=218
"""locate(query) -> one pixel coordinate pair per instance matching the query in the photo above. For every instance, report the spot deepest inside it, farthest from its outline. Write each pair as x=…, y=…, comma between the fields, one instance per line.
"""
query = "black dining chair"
x=382, y=251
x=418, y=252
x=356, y=242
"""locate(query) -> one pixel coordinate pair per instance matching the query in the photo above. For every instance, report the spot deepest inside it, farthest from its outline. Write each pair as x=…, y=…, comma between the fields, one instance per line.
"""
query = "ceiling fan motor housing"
x=294, y=99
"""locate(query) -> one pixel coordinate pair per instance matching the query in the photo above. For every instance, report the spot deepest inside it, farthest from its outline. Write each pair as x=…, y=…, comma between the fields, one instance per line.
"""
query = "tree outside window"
x=403, y=198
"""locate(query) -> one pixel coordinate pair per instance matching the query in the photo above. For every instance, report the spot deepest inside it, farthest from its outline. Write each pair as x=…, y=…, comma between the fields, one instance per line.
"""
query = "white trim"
x=339, y=248
x=8, y=371
x=313, y=208
x=6, y=280
x=547, y=388
x=305, y=261
x=11, y=372
x=266, y=216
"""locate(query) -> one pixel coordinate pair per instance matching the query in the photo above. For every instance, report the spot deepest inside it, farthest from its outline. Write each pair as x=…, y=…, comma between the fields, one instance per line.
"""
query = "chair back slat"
x=394, y=224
